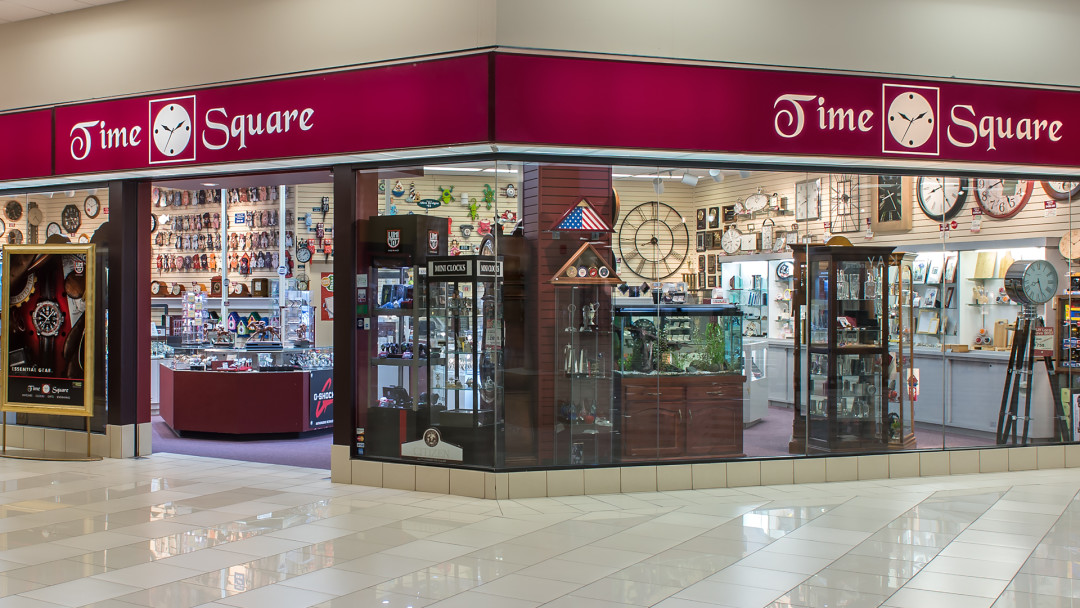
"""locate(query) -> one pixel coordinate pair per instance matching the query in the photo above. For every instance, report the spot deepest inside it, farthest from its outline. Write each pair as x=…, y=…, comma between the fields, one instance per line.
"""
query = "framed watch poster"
x=48, y=348
x=892, y=198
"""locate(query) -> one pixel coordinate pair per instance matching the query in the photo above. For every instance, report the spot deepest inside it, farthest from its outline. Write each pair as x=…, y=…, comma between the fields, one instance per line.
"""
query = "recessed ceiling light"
x=209, y=184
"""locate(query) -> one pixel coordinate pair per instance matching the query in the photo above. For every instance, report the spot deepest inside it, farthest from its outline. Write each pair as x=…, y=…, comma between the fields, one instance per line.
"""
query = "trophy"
x=588, y=317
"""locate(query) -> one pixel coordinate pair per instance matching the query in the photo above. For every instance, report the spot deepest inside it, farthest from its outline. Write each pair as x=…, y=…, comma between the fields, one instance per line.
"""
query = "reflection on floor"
x=770, y=437
x=311, y=450
x=182, y=531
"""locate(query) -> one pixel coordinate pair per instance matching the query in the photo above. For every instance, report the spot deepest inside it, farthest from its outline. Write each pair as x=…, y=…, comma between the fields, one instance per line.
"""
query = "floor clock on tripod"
x=1030, y=283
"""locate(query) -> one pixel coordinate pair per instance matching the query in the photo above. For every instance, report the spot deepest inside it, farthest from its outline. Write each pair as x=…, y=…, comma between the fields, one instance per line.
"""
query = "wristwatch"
x=47, y=319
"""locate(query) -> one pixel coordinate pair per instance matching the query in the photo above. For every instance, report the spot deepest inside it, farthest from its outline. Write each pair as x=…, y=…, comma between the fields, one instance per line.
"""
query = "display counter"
x=255, y=401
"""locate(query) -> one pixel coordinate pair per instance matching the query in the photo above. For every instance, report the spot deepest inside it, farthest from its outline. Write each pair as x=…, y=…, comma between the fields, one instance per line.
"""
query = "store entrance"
x=241, y=284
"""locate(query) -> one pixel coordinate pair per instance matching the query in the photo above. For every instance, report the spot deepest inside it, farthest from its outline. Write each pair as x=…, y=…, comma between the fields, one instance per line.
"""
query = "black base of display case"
x=392, y=427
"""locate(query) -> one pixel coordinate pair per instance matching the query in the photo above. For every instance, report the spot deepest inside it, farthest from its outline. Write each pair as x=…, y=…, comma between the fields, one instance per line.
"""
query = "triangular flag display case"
x=582, y=217
x=586, y=260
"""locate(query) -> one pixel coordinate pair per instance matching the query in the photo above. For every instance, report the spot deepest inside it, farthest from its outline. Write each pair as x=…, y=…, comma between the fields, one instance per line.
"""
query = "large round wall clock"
x=1062, y=191
x=13, y=210
x=654, y=240
x=1031, y=281
x=1002, y=198
x=92, y=206
x=941, y=198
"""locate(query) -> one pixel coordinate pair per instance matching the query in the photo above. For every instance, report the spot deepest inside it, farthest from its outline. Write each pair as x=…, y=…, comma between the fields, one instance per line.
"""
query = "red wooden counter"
x=238, y=403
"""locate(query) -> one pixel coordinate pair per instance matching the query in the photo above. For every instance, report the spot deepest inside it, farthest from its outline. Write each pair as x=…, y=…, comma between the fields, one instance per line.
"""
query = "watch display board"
x=48, y=338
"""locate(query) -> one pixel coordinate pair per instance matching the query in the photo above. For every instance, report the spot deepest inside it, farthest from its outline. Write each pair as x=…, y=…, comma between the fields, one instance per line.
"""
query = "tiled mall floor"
x=185, y=531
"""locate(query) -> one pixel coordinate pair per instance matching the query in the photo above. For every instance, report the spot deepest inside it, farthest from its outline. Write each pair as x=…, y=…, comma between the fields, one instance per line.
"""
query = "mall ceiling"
x=20, y=10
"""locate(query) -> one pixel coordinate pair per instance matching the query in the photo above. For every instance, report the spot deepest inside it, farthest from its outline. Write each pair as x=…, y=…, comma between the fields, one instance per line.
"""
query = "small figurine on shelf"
x=588, y=317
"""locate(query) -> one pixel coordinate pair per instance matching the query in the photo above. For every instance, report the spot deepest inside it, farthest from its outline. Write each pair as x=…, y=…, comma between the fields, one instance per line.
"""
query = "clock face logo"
x=910, y=116
x=172, y=129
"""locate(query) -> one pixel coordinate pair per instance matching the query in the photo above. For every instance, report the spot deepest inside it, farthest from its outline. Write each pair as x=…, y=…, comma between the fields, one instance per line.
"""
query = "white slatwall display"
x=471, y=185
x=52, y=206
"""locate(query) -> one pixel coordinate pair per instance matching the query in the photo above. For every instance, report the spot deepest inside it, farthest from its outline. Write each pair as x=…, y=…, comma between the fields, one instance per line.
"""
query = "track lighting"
x=716, y=175
x=658, y=185
x=689, y=180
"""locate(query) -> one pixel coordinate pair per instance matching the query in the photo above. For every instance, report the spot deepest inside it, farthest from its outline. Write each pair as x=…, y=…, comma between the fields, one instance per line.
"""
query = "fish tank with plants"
x=678, y=339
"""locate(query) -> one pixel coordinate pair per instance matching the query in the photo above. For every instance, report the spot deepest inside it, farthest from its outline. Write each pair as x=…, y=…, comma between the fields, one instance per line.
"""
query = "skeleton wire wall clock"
x=845, y=211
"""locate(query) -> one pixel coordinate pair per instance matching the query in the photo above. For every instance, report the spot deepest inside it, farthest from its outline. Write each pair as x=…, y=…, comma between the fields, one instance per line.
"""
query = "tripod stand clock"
x=1031, y=283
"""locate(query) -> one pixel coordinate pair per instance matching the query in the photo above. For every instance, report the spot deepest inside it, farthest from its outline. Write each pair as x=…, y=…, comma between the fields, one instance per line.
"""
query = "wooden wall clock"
x=891, y=211
x=941, y=198
x=1002, y=198
x=1062, y=191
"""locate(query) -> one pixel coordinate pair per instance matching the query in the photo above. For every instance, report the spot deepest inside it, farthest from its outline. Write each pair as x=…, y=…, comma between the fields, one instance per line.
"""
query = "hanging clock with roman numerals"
x=653, y=240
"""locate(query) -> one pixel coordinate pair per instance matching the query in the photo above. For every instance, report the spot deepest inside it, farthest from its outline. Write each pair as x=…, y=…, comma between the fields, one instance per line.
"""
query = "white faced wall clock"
x=1002, y=198
x=941, y=198
x=808, y=200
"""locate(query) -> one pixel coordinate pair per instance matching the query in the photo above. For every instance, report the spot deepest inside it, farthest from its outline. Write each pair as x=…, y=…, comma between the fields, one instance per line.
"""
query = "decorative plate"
x=571, y=272
x=593, y=271
x=71, y=219
x=582, y=272
x=604, y=272
x=13, y=210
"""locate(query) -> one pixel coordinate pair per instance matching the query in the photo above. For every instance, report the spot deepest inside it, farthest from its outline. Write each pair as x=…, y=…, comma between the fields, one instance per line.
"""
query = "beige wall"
x=145, y=45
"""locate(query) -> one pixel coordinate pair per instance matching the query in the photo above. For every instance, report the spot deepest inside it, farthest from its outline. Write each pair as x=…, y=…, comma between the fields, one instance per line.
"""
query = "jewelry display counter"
x=230, y=391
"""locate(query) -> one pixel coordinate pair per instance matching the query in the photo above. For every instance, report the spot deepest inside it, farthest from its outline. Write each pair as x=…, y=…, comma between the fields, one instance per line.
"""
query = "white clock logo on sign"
x=172, y=130
x=911, y=119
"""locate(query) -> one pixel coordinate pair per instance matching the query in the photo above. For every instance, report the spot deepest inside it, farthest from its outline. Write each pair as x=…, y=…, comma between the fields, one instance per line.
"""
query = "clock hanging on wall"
x=653, y=240
x=808, y=200
x=845, y=211
x=892, y=204
x=1002, y=198
x=941, y=198
x=1062, y=191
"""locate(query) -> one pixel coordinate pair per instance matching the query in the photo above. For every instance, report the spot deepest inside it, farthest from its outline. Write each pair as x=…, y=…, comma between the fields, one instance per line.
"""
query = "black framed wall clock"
x=1002, y=198
x=892, y=204
x=845, y=208
x=941, y=198
x=654, y=240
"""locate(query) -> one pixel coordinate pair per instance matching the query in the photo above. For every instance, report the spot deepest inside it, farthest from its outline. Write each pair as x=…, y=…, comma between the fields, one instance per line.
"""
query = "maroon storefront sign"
x=680, y=107
x=535, y=100
x=27, y=149
x=392, y=107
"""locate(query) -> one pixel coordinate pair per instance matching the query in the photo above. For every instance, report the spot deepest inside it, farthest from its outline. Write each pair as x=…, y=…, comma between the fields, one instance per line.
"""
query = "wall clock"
x=1002, y=198
x=13, y=211
x=70, y=218
x=303, y=254
x=785, y=269
x=892, y=204
x=654, y=240
x=941, y=198
x=15, y=236
x=153, y=222
x=92, y=206
x=1069, y=245
x=732, y=240
x=53, y=229
x=1031, y=281
x=1062, y=191
x=845, y=211
x=756, y=202
x=808, y=200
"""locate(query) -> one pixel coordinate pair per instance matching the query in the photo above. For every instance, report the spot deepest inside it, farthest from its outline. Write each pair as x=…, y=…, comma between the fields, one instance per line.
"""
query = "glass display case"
x=465, y=346
x=848, y=357
x=679, y=379
x=582, y=380
x=194, y=319
x=299, y=326
x=397, y=387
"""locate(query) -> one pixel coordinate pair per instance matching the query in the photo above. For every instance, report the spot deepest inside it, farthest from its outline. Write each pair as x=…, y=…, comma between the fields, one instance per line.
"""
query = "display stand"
x=1020, y=376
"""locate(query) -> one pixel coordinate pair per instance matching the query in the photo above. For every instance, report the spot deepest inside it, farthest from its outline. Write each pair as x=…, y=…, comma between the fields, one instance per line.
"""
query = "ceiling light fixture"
x=209, y=184
x=716, y=175
x=744, y=174
x=658, y=185
x=689, y=180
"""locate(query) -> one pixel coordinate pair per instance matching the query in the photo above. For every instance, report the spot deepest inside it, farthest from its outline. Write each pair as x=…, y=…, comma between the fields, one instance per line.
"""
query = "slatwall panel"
x=428, y=187
x=51, y=206
x=547, y=192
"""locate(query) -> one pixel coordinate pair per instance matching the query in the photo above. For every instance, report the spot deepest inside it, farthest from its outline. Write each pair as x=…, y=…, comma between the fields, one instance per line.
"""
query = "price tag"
x=976, y=219
x=869, y=234
x=1044, y=341
x=239, y=218
x=1050, y=209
